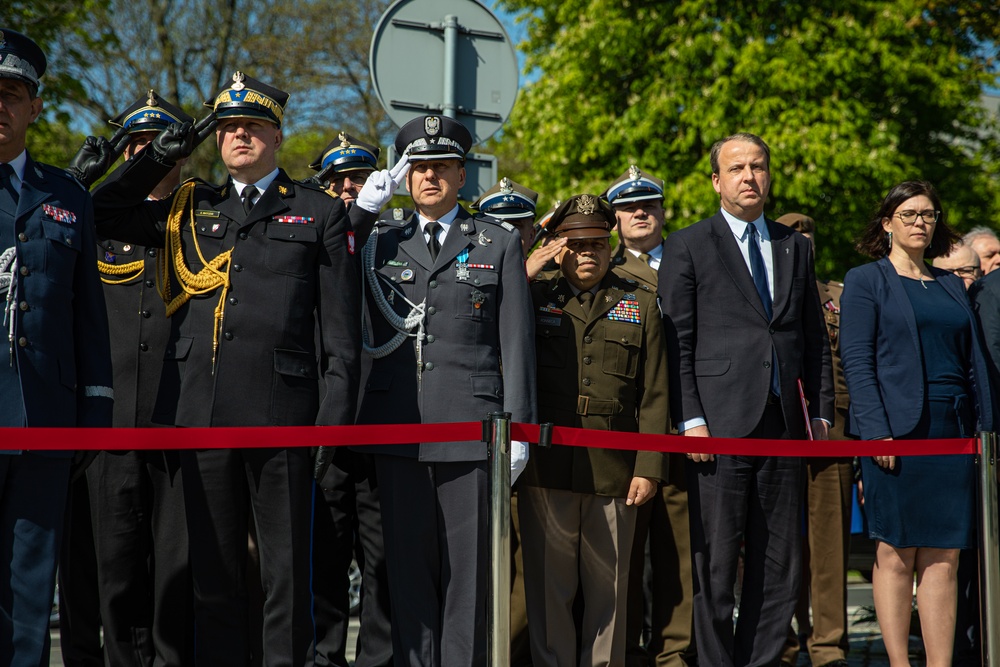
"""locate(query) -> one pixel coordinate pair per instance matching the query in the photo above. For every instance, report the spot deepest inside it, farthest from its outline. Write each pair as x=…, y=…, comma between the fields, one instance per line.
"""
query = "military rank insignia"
x=282, y=190
x=626, y=310
x=59, y=214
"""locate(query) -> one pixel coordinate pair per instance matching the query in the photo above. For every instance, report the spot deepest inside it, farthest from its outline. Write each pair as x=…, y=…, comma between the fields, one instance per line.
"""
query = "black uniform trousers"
x=351, y=525
x=140, y=538
x=756, y=499
x=437, y=557
x=221, y=488
x=33, y=491
x=79, y=597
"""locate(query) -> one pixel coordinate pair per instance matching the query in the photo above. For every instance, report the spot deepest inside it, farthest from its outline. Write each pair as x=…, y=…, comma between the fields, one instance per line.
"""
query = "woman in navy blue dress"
x=915, y=369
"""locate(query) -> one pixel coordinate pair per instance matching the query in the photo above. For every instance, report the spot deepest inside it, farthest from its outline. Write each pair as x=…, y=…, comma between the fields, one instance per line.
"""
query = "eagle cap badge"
x=634, y=173
x=586, y=204
x=238, y=79
x=432, y=125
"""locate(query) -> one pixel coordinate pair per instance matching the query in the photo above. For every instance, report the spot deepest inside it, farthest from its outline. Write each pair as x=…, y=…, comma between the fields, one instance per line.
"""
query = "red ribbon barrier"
x=393, y=434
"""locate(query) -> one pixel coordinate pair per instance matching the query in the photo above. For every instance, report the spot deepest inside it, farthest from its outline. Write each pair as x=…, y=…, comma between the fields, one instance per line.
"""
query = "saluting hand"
x=178, y=140
x=540, y=257
x=96, y=156
x=381, y=185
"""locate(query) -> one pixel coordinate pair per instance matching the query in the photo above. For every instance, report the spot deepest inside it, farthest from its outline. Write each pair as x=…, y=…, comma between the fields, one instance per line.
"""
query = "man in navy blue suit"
x=58, y=371
x=744, y=323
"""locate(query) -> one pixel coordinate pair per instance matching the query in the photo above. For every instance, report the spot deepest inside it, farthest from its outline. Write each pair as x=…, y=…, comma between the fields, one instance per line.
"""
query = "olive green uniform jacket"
x=606, y=371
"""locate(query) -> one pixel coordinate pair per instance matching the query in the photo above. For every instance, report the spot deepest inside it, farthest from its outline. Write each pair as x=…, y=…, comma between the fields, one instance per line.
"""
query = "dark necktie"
x=759, y=272
x=586, y=300
x=8, y=195
x=433, y=245
x=249, y=192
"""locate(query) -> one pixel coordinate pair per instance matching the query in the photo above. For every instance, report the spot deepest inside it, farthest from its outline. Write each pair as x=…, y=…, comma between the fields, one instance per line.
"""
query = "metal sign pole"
x=989, y=549
x=450, y=65
x=499, y=526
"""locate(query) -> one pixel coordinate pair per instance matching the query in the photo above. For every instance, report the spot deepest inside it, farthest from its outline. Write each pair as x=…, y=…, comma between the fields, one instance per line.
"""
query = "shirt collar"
x=18, y=164
x=445, y=220
x=656, y=253
x=739, y=227
x=261, y=185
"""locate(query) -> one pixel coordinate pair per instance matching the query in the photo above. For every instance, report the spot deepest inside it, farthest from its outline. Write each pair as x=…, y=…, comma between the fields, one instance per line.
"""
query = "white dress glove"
x=518, y=459
x=381, y=185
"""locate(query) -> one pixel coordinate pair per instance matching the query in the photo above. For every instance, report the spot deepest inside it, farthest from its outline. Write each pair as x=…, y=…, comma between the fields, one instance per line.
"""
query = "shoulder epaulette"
x=496, y=221
x=60, y=173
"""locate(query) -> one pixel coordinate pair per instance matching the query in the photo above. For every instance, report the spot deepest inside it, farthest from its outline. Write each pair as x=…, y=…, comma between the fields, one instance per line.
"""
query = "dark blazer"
x=291, y=268
x=472, y=325
x=880, y=349
x=603, y=373
x=721, y=340
x=60, y=328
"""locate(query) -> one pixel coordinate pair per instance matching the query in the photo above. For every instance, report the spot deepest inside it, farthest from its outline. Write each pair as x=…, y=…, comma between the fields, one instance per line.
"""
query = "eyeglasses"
x=910, y=217
x=968, y=272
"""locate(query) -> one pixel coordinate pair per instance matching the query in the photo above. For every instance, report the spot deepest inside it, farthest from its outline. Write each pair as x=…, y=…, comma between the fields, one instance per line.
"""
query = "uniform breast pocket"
x=291, y=249
x=621, y=350
x=477, y=296
x=62, y=249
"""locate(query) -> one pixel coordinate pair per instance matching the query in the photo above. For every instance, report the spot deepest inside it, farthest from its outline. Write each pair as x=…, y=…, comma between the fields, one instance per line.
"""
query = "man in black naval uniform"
x=58, y=372
x=352, y=526
x=449, y=302
x=136, y=497
x=254, y=267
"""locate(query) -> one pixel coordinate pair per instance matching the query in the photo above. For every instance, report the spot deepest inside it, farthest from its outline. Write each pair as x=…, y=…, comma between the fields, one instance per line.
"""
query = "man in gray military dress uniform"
x=448, y=301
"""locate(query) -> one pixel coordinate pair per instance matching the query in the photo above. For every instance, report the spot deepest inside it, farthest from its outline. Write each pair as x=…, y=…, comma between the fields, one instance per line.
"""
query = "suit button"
x=770, y=330
x=588, y=339
x=429, y=366
x=624, y=339
x=433, y=284
x=151, y=252
x=150, y=283
x=237, y=267
x=430, y=338
x=233, y=301
x=767, y=364
x=243, y=236
x=143, y=347
x=22, y=341
x=586, y=360
x=431, y=310
x=146, y=314
x=25, y=271
x=23, y=305
x=586, y=382
x=228, y=335
x=476, y=281
x=22, y=237
x=69, y=241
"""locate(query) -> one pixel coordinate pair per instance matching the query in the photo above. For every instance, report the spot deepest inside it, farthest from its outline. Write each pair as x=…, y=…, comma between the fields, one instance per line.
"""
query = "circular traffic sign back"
x=446, y=57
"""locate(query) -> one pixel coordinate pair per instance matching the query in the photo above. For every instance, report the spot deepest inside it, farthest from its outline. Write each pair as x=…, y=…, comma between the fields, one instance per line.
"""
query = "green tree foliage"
x=851, y=95
x=109, y=53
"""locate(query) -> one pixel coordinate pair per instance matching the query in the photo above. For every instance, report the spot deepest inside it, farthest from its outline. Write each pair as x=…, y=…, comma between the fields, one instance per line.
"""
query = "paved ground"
x=867, y=649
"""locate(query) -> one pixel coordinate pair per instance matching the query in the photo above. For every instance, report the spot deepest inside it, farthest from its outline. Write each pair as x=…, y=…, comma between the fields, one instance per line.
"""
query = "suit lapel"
x=898, y=292
x=271, y=201
x=33, y=190
x=231, y=206
x=415, y=246
x=605, y=299
x=732, y=260
x=783, y=263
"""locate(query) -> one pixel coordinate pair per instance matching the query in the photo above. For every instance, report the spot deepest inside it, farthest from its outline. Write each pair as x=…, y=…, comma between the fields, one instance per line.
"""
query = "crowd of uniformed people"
x=266, y=301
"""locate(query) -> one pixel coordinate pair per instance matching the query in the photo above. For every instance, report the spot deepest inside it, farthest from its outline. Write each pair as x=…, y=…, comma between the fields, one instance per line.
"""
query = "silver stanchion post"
x=499, y=523
x=989, y=549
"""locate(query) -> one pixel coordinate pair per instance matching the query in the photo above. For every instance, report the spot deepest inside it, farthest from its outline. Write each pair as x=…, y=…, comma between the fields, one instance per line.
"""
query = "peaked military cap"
x=543, y=222
x=345, y=153
x=20, y=58
x=149, y=114
x=633, y=186
x=249, y=98
x=800, y=222
x=582, y=217
x=433, y=138
x=507, y=200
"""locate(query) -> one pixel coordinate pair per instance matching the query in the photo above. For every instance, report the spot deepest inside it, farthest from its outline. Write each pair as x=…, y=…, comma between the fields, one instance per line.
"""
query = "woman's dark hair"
x=874, y=241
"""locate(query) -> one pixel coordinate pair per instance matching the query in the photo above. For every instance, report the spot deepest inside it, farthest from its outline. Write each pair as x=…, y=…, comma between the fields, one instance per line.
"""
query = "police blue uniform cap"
x=249, y=98
x=149, y=114
x=433, y=138
x=20, y=58
x=507, y=200
x=345, y=153
x=582, y=217
x=633, y=186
